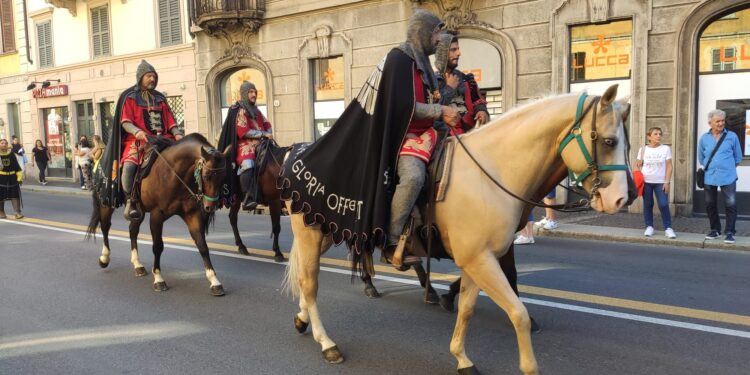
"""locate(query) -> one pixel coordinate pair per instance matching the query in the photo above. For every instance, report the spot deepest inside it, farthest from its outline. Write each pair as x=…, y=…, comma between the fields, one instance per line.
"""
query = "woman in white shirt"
x=655, y=162
x=84, y=162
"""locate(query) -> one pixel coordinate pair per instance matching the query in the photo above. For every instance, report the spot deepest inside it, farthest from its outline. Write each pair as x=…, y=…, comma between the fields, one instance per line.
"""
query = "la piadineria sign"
x=49, y=92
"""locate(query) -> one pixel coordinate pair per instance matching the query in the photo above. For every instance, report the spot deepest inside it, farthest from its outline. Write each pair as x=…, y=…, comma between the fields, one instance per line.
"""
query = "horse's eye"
x=611, y=142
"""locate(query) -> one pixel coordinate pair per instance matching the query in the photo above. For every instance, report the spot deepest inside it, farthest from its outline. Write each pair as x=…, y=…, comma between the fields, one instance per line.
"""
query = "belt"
x=7, y=173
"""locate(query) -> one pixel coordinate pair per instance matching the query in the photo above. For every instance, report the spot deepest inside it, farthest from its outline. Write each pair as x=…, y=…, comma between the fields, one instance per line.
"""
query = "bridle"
x=198, y=176
x=592, y=169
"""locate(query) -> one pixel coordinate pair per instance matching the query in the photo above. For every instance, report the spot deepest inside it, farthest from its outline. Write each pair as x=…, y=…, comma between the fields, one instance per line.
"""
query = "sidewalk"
x=622, y=227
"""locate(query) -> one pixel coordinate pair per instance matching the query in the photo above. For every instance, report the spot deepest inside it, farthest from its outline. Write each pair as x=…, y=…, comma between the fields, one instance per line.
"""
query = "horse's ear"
x=624, y=107
x=609, y=96
x=227, y=151
x=205, y=153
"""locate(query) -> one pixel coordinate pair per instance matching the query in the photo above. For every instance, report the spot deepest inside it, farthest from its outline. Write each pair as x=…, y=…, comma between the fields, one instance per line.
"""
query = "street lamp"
x=45, y=84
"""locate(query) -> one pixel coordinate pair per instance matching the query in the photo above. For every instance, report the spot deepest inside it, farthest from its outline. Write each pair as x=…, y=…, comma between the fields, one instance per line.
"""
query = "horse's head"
x=210, y=173
x=602, y=165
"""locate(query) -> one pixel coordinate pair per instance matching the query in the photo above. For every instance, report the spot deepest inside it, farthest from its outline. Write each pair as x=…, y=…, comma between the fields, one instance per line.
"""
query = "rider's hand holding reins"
x=450, y=116
x=141, y=136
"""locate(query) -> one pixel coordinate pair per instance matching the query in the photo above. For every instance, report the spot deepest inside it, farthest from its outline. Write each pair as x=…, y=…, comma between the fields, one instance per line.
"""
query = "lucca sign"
x=48, y=92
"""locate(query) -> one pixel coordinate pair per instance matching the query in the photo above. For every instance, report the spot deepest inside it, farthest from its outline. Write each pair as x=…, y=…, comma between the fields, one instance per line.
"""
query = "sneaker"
x=20, y=216
x=83, y=188
x=669, y=233
x=550, y=225
x=649, y=232
x=729, y=238
x=523, y=240
x=712, y=235
x=541, y=223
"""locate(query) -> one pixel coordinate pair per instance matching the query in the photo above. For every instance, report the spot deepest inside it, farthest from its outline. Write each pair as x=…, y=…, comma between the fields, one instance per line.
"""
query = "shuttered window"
x=6, y=19
x=44, y=41
x=100, y=31
x=170, y=30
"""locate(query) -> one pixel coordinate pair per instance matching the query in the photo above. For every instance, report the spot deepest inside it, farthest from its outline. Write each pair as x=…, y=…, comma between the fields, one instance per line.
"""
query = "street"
x=604, y=308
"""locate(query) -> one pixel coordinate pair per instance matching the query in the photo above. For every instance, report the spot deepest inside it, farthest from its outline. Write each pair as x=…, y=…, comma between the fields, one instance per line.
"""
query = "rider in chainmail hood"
x=244, y=102
x=418, y=44
x=441, y=52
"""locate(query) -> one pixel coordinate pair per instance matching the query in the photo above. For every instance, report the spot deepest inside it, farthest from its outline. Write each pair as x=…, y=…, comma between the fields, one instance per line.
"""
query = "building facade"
x=676, y=59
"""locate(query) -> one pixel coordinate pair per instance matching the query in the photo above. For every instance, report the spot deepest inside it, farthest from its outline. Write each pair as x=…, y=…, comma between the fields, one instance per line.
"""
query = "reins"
x=197, y=175
x=581, y=205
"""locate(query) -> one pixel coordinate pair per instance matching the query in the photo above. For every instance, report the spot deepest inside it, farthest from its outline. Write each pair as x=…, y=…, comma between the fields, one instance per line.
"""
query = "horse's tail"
x=290, y=284
x=96, y=217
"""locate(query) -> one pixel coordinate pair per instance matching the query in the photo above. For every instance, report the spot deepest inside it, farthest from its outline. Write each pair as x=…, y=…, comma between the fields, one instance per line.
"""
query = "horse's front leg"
x=275, y=209
x=370, y=290
x=105, y=222
x=196, y=225
x=485, y=271
x=157, y=225
x=469, y=294
x=233, y=211
x=135, y=228
x=431, y=295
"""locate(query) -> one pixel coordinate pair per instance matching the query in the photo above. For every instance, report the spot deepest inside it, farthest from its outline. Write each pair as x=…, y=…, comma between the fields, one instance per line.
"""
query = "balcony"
x=216, y=16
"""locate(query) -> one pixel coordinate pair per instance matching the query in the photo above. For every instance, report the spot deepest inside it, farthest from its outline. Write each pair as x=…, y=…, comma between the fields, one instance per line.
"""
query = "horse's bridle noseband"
x=593, y=168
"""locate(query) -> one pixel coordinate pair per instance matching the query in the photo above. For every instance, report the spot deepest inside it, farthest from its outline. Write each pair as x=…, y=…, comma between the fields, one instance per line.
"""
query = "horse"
x=184, y=180
x=493, y=175
x=269, y=195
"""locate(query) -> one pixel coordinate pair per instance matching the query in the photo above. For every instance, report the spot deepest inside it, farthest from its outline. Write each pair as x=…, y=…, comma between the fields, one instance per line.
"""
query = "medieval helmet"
x=442, y=51
x=144, y=68
x=419, y=31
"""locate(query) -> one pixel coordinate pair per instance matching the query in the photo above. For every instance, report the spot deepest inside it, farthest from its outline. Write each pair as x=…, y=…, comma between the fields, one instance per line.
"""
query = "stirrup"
x=249, y=204
x=130, y=212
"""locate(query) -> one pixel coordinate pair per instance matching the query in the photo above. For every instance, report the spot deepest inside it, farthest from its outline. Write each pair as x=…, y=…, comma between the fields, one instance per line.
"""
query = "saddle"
x=154, y=144
x=438, y=172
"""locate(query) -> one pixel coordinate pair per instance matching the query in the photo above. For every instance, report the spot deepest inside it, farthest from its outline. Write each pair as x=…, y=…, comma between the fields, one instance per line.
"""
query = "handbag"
x=700, y=174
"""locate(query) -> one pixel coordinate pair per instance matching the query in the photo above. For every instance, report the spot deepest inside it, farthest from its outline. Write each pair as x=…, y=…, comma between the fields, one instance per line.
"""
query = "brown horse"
x=269, y=195
x=184, y=180
x=494, y=173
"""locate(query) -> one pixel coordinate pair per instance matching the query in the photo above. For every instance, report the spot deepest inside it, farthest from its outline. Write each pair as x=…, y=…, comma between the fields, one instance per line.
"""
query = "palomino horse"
x=519, y=150
x=184, y=180
x=269, y=195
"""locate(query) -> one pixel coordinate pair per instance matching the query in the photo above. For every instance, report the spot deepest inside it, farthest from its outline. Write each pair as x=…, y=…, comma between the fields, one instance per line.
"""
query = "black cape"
x=230, y=188
x=107, y=177
x=346, y=179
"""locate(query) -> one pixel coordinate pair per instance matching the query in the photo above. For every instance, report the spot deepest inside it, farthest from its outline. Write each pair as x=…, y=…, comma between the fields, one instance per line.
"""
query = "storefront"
x=55, y=128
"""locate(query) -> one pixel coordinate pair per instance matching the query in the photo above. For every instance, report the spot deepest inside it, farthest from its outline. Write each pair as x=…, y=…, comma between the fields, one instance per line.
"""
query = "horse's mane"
x=196, y=137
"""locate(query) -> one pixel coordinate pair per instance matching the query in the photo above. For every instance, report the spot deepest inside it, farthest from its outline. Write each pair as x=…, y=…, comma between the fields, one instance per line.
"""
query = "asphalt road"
x=604, y=308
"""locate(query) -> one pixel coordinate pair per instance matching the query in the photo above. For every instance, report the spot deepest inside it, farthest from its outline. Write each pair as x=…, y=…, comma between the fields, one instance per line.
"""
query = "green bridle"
x=593, y=168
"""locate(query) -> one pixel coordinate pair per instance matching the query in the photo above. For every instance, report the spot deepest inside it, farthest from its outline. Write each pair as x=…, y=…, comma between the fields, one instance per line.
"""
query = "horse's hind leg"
x=370, y=290
x=485, y=271
x=105, y=222
x=196, y=226
x=431, y=295
x=275, y=209
x=135, y=228
x=233, y=210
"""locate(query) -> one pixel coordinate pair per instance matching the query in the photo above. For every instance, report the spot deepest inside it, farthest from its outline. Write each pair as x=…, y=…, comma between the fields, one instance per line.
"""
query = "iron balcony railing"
x=227, y=8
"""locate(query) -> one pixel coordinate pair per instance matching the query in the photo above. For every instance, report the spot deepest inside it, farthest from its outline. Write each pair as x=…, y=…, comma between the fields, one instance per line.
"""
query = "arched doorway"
x=723, y=75
x=229, y=89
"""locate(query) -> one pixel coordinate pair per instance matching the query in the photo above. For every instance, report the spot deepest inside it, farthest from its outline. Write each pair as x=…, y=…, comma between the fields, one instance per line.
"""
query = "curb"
x=55, y=190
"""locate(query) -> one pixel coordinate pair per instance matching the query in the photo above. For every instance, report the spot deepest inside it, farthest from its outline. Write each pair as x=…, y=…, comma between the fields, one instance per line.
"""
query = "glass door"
x=57, y=137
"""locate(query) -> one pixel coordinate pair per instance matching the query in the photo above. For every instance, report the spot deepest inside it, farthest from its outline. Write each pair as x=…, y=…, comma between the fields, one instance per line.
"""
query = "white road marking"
x=533, y=301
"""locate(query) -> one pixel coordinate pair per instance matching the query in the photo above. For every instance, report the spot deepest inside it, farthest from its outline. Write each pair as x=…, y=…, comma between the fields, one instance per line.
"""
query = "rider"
x=244, y=127
x=457, y=89
x=144, y=113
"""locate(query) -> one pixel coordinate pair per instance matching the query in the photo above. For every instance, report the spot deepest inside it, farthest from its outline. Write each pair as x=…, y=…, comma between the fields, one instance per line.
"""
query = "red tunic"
x=134, y=113
x=244, y=124
x=421, y=137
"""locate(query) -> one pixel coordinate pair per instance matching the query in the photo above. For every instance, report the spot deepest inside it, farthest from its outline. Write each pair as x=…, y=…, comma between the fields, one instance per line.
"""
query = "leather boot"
x=249, y=203
x=406, y=262
x=131, y=211
x=247, y=182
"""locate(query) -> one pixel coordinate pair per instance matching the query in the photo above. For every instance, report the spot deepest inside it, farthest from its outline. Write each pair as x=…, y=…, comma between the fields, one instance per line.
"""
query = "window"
x=100, y=31
x=170, y=30
x=44, y=40
x=579, y=70
x=6, y=19
x=328, y=89
x=722, y=59
x=601, y=51
x=177, y=106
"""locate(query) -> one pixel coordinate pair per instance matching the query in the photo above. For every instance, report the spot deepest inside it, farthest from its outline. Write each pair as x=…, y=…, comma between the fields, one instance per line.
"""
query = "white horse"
x=477, y=219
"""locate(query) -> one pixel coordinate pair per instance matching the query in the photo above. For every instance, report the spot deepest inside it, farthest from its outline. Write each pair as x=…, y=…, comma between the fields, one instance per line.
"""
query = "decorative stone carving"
x=323, y=38
x=70, y=5
x=599, y=10
x=457, y=13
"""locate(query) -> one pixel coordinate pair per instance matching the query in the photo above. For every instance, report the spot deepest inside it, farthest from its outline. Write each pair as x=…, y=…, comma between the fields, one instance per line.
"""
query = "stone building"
x=676, y=59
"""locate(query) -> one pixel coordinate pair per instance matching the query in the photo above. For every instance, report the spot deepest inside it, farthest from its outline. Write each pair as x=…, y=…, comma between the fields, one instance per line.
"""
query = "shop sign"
x=600, y=47
x=52, y=91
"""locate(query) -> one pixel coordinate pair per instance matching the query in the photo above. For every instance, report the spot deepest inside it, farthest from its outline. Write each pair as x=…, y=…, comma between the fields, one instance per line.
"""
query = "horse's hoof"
x=242, y=250
x=103, y=264
x=469, y=371
x=446, y=303
x=140, y=272
x=535, y=328
x=217, y=290
x=371, y=292
x=161, y=286
x=279, y=258
x=431, y=298
x=300, y=325
x=333, y=355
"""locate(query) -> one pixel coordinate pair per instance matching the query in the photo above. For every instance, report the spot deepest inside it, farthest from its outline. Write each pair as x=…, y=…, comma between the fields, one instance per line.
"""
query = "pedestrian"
x=78, y=164
x=11, y=178
x=20, y=153
x=549, y=221
x=719, y=154
x=42, y=158
x=655, y=162
x=84, y=163
x=526, y=235
x=97, y=151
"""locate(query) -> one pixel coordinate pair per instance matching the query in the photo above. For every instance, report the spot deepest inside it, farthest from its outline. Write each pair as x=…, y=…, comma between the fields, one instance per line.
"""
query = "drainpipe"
x=26, y=32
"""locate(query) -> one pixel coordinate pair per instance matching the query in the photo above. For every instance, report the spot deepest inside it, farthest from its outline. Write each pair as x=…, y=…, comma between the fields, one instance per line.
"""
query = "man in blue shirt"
x=722, y=172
